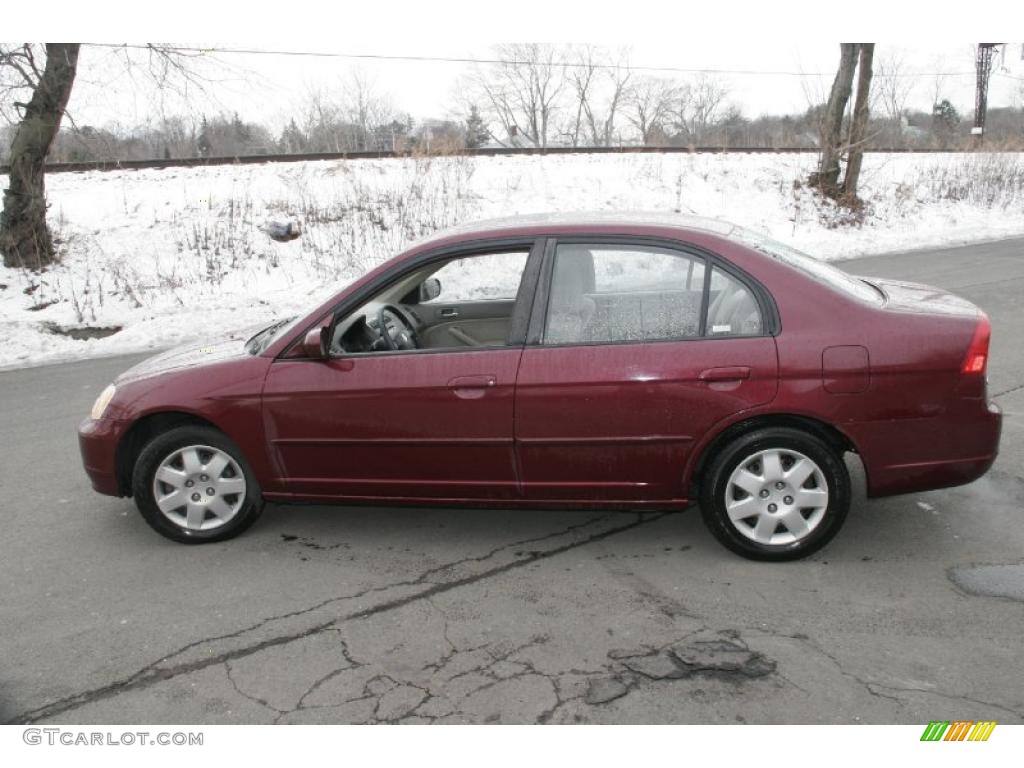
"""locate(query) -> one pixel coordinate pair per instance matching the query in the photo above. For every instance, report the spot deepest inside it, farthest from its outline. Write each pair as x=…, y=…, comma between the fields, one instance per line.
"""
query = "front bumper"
x=97, y=440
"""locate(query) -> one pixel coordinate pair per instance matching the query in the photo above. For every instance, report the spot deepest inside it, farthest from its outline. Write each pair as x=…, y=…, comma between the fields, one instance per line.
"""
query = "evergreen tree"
x=390, y=137
x=945, y=122
x=203, y=143
x=292, y=140
x=476, y=129
x=243, y=133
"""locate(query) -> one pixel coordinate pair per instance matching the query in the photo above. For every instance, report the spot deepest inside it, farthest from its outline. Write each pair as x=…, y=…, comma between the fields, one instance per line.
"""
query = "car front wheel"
x=776, y=494
x=193, y=485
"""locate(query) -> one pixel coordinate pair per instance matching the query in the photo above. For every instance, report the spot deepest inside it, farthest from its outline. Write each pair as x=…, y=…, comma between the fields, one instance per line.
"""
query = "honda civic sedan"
x=573, y=361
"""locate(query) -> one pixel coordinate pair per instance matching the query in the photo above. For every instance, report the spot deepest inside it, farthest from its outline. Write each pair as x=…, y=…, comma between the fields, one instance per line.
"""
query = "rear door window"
x=614, y=293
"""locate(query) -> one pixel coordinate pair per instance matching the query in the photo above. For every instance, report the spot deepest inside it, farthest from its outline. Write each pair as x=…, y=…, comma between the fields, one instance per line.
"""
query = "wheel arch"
x=141, y=432
x=830, y=434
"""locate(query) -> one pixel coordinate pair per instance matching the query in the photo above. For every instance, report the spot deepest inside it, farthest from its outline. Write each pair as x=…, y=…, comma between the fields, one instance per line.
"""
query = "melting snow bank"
x=182, y=255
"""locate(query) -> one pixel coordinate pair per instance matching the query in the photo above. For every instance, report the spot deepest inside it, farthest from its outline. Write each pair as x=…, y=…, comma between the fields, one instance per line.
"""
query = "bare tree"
x=179, y=136
x=522, y=91
x=894, y=87
x=945, y=122
x=598, y=83
x=826, y=178
x=25, y=239
x=352, y=117
x=698, y=106
x=940, y=81
x=365, y=108
x=834, y=144
x=583, y=81
x=649, y=103
x=859, y=126
x=318, y=126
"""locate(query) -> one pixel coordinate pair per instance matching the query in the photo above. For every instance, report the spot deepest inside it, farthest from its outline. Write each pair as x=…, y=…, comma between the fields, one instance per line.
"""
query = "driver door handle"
x=472, y=387
x=473, y=382
x=449, y=312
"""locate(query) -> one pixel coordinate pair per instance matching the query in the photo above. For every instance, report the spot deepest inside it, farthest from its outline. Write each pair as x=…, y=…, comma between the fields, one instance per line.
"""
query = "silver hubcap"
x=199, y=488
x=776, y=496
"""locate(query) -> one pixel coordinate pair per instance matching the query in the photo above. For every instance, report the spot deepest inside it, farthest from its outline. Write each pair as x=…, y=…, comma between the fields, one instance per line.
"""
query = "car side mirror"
x=430, y=289
x=314, y=345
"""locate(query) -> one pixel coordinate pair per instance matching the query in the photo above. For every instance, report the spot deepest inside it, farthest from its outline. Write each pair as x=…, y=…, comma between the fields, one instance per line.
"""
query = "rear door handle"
x=732, y=373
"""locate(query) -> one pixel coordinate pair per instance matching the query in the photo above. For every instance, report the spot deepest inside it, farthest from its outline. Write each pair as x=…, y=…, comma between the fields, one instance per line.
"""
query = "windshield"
x=819, y=270
x=262, y=340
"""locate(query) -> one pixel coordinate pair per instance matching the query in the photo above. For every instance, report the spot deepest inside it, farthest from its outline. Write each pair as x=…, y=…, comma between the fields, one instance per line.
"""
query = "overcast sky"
x=268, y=88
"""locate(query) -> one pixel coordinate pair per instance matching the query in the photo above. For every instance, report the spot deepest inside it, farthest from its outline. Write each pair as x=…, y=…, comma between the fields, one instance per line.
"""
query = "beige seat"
x=571, y=309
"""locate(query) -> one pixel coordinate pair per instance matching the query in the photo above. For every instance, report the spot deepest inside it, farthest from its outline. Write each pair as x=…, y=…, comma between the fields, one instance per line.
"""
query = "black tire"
x=715, y=487
x=158, y=449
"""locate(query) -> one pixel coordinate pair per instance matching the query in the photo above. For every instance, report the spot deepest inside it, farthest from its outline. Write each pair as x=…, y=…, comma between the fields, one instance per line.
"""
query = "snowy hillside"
x=182, y=254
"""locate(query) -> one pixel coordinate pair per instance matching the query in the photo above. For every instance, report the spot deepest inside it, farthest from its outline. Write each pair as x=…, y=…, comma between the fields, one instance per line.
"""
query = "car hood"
x=191, y=356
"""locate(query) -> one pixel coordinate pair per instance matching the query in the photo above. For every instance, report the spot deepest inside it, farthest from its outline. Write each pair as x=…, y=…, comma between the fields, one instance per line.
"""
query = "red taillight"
x=977, y=353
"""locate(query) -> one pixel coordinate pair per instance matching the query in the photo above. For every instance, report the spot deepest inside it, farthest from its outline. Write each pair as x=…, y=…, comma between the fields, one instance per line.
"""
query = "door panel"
x=434, y=313
x=466, y=324
x=618, y=421
x=429, y=425
x=468, y=333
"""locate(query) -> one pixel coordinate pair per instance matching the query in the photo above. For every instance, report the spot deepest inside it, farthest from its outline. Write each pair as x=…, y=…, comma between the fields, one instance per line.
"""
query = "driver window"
x=472, y=309
x=481, y=278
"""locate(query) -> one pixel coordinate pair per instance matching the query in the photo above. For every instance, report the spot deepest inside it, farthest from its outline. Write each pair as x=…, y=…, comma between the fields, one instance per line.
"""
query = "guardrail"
x=193, y=162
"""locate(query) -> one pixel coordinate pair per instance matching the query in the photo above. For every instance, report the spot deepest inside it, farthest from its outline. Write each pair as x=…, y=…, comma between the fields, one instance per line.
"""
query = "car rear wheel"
x=776, y=494
x=193, y=485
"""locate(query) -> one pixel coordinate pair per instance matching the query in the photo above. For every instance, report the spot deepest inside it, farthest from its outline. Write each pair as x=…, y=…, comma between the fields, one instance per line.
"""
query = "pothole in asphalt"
x=722, y=655
x=990, y=580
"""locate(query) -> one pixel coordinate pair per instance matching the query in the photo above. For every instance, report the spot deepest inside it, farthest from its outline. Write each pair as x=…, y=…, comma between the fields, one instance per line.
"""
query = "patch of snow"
x=180, y=255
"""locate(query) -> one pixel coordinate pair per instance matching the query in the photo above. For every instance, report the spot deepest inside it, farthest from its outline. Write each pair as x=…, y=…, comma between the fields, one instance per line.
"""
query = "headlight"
x=102, y=402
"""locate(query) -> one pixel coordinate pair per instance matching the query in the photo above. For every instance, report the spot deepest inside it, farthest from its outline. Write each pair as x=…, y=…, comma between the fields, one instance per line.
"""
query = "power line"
x=513, y=62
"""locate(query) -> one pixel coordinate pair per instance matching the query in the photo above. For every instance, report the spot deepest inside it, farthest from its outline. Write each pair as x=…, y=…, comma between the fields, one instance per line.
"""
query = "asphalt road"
x=407, y=615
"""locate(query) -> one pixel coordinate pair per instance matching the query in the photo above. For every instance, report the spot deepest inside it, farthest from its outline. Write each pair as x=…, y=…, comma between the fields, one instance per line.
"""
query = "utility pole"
x=983, y=66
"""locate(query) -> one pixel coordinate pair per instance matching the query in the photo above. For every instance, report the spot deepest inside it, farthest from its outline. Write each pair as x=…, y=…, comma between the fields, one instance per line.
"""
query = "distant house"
x=914, y=128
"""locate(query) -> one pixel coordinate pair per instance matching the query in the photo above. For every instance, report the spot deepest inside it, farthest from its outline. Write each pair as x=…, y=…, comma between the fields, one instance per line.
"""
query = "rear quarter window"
x=822, y=271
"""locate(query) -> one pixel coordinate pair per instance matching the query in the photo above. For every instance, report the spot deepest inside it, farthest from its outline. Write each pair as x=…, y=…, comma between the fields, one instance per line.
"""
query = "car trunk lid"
x=917, y=297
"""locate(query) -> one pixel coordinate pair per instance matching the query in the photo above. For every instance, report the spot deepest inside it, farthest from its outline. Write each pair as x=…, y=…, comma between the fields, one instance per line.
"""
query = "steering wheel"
x=404, y=338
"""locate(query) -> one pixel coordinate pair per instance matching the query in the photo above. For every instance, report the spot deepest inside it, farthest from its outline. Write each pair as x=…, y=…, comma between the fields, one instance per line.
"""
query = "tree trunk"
x=25, y=240
x=859, y=127
x=827, y=177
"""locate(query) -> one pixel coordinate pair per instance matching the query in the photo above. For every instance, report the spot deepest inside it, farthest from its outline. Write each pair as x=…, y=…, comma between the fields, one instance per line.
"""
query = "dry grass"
x=986, y=179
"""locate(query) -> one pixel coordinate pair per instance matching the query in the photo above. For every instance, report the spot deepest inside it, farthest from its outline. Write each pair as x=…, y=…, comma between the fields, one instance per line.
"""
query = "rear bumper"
x=908, y=455
x=97, y=441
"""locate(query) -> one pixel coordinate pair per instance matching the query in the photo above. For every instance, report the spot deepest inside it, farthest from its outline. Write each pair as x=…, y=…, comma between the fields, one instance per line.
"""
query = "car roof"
x=551, y=223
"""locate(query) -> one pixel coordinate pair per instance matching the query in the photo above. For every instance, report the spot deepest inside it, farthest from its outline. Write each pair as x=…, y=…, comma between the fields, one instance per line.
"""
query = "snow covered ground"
x=180, y=255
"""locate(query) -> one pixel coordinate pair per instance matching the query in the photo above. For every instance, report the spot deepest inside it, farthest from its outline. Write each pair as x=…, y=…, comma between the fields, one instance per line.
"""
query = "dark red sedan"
x=572, y=361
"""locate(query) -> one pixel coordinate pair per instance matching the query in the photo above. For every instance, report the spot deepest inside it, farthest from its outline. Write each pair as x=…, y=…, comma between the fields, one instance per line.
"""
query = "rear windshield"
x=819, y=270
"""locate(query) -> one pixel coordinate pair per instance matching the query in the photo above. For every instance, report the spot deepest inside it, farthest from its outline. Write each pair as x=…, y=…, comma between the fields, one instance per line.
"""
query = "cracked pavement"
x=363, y=615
